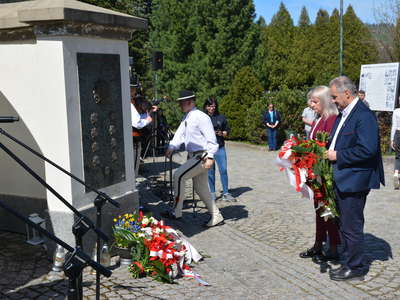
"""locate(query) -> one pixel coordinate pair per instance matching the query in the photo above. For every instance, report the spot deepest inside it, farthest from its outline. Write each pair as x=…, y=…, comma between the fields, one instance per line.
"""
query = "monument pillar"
x=65, y=73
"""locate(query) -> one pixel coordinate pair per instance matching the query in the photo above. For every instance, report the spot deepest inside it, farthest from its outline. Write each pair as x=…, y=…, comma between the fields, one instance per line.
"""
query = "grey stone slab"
x=17, y=15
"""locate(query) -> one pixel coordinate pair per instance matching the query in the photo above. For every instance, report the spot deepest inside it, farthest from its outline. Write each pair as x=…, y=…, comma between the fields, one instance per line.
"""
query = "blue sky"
x=363, y=8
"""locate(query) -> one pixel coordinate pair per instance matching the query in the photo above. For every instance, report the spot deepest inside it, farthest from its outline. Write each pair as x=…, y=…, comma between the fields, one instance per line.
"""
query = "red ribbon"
x=139, y=265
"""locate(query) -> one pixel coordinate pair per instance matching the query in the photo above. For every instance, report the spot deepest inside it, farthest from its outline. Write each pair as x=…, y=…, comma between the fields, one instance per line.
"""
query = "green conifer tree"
x=324, y=49
x=260, y=66
x=226, y=38
x=245, y=91
x=279, y=44
x=359, y=47
x=203, y=46
x=396, y=41
x=300, y=72
x=173, y=34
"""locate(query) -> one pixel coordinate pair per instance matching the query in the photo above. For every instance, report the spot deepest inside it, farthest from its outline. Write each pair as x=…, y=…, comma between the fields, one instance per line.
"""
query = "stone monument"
x=65, y=72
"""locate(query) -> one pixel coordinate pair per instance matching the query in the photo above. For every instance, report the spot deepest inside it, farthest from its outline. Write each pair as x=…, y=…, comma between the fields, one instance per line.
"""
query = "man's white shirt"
x=197, y=133
x=345, y=113
x=395, y=123
x=138, y=121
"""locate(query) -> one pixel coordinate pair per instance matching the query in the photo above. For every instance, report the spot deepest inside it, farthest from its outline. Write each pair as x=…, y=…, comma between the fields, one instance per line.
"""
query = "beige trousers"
x=193, y=169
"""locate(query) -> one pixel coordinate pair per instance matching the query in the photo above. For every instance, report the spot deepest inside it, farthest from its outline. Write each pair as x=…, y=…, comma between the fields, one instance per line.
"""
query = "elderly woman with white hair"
x=326, y=110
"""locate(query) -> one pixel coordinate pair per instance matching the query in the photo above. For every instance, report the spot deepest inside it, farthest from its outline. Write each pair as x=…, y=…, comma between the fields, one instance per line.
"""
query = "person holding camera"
x=196, y=132
x=221, y=128
x=140, y=116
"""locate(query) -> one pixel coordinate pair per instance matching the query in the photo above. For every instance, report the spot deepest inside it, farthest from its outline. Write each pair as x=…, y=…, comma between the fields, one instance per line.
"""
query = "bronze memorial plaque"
x=101, y=117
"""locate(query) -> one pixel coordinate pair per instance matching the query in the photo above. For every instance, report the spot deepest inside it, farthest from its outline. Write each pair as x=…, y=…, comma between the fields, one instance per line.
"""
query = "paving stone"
x=253, y=256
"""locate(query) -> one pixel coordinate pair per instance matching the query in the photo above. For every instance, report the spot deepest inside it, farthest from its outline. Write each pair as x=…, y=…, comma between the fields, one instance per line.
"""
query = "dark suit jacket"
x=276, y=117
x=359, y=161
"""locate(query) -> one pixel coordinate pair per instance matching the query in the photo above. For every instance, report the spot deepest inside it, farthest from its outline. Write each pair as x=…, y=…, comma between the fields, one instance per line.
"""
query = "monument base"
x=25, y=206
x=63, y=221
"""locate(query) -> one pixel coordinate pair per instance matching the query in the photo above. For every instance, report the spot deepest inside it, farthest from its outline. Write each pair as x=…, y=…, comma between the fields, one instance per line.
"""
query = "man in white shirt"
x=395, y=144
x=197, y=133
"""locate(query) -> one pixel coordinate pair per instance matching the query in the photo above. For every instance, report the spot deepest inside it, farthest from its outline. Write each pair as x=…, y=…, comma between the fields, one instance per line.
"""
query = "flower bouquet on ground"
x=157, y=250
x=126, y=229
x=309, y=171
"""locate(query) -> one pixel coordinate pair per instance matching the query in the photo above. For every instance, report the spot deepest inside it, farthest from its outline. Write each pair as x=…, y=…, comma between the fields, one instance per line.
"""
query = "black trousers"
x=351, y=226
x=397, y=143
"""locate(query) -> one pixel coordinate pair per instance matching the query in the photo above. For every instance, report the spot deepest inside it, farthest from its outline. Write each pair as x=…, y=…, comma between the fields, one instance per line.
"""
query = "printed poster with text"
x=380, y=83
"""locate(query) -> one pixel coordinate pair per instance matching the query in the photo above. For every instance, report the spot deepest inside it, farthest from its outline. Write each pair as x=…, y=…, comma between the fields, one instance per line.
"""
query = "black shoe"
x=310, y=253
x=321, y=258
x=169, y=215
x=347, y=274
x=337, y=270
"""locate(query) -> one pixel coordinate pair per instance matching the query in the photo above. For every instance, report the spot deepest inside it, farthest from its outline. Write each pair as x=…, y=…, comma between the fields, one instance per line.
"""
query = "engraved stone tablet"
x=101, y=116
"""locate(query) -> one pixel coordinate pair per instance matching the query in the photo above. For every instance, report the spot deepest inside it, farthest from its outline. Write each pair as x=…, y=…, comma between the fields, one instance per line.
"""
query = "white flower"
x=145, y=221
x=147, y=231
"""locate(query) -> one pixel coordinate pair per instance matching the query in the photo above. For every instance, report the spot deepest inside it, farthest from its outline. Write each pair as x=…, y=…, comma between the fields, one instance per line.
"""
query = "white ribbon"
x=286, y=164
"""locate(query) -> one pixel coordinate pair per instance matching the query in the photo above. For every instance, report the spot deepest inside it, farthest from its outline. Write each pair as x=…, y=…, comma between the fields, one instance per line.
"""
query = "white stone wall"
x=32, y=80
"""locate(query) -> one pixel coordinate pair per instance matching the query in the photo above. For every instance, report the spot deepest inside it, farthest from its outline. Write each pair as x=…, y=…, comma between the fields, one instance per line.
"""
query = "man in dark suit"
x=355, y=152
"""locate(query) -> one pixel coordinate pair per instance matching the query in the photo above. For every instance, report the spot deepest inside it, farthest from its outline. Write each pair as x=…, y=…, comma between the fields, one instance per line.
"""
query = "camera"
x=158, y=101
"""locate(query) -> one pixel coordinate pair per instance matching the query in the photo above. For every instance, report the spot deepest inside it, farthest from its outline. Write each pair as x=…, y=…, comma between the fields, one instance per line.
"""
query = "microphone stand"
x=83, y=224
x=76, y=261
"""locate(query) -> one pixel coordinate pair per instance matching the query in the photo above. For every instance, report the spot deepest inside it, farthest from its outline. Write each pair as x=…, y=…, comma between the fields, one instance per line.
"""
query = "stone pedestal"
x=64, y=72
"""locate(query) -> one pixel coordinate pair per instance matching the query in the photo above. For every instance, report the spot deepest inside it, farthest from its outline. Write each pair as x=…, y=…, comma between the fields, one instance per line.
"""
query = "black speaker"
x=157, y=61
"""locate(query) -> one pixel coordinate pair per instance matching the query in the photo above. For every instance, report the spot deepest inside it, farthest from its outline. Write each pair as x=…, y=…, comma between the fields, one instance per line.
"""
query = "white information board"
x=380, y=83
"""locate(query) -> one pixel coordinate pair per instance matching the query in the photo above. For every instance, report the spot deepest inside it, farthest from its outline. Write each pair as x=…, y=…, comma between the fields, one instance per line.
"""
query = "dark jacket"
x=220, y=123
x=359, y=161
x=267, y=117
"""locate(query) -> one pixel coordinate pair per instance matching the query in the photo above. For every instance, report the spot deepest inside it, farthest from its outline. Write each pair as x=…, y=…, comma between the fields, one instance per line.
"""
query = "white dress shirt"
x=197, y=133
x=315, y=126
x=138, y=121
x=395, y=123
x=345, y=113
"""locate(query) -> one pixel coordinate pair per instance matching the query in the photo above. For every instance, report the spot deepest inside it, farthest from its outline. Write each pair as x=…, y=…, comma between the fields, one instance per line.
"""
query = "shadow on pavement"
x=20, y=263
x=236, y=192
x=377, y=248
x=192, y=222
x=141, y=289
x=55, y=290
x=234, y=212
x=156, y=168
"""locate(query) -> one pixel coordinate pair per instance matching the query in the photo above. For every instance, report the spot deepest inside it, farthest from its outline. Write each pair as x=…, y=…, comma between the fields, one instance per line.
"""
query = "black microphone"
x=8, y=119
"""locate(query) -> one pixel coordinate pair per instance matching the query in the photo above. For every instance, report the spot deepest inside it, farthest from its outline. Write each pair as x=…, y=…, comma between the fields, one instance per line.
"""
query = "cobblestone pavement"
x=253, y=256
